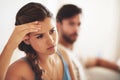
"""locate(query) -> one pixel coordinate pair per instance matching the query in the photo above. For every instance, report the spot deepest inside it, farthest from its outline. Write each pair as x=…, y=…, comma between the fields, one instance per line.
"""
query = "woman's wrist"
x=9, y=48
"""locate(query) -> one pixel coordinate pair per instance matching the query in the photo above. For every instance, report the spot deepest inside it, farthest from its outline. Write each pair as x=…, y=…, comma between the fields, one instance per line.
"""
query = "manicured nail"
x=36, y=22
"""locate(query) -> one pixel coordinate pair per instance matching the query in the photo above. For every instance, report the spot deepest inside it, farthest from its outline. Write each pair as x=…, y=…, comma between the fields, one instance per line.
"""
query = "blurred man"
x=68, y=24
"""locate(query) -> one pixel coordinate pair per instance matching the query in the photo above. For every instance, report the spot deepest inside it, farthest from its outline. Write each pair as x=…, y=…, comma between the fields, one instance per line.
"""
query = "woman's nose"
x=50, y=40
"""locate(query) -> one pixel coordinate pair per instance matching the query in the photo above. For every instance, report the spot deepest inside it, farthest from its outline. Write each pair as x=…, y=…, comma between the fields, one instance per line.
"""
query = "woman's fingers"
x=28, y=25
x=35, y=22
x=24, y=29
x=21, y=30
x=29, y=30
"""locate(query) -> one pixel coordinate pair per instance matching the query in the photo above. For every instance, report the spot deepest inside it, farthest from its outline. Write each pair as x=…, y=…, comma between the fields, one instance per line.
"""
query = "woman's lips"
x=51, y=47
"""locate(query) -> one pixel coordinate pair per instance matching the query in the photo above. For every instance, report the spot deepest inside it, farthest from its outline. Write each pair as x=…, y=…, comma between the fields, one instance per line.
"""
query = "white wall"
x=118, y=50
x=99, y=34
x=99, y=30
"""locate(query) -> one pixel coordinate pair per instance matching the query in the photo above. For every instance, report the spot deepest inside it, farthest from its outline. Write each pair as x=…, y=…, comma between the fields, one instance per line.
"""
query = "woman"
x=37, y=37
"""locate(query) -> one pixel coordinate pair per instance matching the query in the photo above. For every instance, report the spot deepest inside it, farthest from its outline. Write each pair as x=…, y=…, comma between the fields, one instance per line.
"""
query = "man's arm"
x=107, y=64
x=102, y=63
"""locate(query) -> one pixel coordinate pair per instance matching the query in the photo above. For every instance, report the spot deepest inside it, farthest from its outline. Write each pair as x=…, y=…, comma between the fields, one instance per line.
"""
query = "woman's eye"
x=52, y=31
x=40, y=36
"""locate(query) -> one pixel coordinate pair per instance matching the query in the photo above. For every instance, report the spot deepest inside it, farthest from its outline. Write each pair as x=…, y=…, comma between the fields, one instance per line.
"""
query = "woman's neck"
x=46, y=59
x=49, y=66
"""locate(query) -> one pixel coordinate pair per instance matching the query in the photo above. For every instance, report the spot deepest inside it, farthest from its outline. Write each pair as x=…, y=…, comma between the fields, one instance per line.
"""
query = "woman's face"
x=44, y=42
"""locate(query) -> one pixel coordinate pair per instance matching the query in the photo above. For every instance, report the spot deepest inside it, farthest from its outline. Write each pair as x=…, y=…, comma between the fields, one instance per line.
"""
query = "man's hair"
x=67, y=11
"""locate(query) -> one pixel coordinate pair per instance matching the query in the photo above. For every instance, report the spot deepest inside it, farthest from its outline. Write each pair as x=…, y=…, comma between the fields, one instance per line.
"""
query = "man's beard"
x=68, y=38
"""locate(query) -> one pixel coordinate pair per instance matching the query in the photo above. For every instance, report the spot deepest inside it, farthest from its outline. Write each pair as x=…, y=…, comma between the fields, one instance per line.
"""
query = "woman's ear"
x=26, y=40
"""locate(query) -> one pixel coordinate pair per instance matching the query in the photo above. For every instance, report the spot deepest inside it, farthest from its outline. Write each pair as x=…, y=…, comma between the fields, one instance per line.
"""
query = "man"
x=68, y=23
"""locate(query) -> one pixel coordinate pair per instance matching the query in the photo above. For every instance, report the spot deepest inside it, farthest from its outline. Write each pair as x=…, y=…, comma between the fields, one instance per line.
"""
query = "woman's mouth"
x=51, y=47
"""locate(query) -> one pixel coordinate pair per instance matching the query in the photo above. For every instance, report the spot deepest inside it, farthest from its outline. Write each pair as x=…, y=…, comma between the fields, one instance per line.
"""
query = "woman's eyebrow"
x=38, y=34
x=43, y=33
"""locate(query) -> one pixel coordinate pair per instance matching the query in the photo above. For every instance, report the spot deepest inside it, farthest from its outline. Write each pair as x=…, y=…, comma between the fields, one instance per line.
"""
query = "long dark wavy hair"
x=29, y=13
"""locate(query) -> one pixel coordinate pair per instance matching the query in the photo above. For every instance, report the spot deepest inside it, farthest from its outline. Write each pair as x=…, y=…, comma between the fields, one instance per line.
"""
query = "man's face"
x=69, y=28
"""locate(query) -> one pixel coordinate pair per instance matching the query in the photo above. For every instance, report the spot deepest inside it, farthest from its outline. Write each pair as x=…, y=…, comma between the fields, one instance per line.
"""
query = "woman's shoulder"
x=64, y=54
x=69, y=62
x=19, y=69
x=20, y=64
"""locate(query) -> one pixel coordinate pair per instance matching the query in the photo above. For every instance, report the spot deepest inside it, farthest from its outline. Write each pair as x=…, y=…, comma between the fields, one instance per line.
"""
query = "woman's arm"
x=5, y=59
x=17, y=36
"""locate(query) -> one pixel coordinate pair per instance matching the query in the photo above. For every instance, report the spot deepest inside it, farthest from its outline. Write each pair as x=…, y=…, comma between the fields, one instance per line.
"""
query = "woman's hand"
x=17, y=36
x=21, y=31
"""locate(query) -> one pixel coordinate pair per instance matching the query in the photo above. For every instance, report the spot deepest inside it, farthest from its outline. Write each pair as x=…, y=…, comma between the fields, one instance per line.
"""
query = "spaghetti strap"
x=66, y=75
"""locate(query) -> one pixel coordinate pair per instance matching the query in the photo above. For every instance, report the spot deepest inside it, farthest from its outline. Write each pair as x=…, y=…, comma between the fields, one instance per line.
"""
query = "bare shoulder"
x=20, y=70
x=69, y=62
x=64, y=54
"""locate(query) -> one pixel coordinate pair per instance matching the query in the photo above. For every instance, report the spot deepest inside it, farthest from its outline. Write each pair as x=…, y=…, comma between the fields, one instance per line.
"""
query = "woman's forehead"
x=45, y=26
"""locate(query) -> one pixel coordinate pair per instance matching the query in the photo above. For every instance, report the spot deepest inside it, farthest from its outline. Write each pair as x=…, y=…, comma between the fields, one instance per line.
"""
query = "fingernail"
x=36, y=30
x=39, y=28
x=36, y=22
